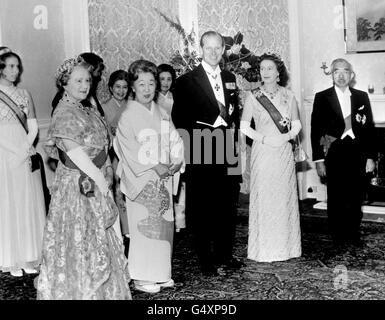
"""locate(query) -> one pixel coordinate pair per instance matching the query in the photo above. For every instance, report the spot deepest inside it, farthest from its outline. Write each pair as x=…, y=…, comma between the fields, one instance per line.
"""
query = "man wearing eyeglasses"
x=343, y=144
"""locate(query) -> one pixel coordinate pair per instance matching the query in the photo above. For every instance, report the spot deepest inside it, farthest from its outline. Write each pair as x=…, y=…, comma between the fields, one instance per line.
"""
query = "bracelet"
x=263, y=139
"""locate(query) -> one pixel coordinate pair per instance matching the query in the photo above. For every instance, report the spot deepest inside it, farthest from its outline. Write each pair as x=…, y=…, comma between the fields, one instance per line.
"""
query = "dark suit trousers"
x=345, y=170
x=211, y=197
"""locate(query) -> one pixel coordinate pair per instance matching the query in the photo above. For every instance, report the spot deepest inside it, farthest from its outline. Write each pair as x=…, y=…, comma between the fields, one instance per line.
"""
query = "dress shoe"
x=168, y=284
x=148, y=287
x=16, y=273
x=234, y=263
x=30, y=271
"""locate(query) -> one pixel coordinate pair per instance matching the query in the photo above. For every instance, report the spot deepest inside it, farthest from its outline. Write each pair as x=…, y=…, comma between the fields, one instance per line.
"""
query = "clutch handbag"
x=299, y=154
x=35, y=162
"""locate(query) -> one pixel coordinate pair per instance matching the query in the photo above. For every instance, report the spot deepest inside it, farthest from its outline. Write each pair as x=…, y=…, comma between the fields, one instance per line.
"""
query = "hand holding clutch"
x=162, y=170
x=174, y=168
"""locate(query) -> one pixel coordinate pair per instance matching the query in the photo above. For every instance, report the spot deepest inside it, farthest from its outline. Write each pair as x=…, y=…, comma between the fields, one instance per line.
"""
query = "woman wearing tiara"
x=22, y=207
x=274, y=230
x=83, y=257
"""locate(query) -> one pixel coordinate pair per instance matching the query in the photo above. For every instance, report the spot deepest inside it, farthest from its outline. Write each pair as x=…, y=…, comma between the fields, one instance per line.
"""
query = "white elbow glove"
x=84, y=163
x=32, y=130
x=248, y=131
x=295, y=128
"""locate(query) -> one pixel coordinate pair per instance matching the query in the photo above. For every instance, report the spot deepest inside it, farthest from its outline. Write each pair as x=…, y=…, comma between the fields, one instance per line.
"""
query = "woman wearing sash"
x=274, y=230
x=22, y=206
x=83, y=257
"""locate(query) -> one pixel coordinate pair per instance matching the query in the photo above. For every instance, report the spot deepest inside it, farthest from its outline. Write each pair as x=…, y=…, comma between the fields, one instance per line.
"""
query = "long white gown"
x=274, y=229
x=22, y=206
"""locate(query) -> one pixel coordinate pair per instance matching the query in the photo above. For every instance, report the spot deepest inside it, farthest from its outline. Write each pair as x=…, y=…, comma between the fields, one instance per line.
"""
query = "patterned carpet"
x=320, y=274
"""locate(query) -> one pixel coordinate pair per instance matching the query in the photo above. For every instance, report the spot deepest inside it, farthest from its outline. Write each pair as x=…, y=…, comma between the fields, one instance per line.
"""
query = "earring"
x=278, y=80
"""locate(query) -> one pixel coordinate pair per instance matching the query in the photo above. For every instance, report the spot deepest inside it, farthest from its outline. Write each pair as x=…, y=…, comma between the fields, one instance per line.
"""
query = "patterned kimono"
x=82, y=255
x=145, y=138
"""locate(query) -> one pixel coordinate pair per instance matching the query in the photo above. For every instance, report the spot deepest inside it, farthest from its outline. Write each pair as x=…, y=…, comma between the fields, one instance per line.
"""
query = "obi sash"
x=271, y=109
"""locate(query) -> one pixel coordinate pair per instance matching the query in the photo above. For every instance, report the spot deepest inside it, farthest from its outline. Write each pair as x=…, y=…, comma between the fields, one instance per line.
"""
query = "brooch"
x=360, y=119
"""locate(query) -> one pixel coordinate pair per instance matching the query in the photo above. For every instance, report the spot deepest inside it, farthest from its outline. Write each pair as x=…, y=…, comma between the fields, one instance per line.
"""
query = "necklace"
x=273, y=94
x=75, y=103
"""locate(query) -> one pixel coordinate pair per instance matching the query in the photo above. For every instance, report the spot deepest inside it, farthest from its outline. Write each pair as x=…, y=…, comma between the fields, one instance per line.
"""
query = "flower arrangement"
x=240, y=60
x=187, y=59
x=237, y=58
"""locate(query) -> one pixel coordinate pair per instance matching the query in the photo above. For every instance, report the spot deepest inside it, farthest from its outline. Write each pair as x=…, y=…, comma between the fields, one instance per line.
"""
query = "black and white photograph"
x=365, y=25
x=192, y=156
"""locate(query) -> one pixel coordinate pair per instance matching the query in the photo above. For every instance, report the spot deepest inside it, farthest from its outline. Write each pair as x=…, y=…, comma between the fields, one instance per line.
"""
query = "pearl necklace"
x=273, y=94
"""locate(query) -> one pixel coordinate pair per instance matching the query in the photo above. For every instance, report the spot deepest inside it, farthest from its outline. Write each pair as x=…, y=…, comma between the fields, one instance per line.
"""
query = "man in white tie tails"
x=205, y=104
x=344, y=150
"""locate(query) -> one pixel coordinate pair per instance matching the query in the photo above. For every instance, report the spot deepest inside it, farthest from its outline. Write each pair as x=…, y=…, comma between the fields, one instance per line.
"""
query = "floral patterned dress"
x=83, y=258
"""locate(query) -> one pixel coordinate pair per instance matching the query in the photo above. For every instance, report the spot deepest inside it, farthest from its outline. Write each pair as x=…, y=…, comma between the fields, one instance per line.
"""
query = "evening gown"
x=274, y=228
x=22, y=206
x=83, y=258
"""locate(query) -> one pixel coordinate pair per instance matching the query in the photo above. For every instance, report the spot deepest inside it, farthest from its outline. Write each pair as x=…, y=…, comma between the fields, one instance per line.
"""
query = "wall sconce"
x=324, y=67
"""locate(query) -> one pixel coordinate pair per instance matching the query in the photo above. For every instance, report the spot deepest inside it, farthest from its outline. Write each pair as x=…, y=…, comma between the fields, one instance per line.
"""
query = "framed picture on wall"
x=364, y=25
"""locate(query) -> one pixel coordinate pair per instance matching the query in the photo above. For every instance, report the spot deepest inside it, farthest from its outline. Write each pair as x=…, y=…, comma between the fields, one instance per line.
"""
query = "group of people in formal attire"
x=163, y=153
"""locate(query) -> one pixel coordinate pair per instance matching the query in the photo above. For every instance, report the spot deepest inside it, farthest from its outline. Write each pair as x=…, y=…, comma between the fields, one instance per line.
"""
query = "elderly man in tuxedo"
x=342, y=138
x=205, y=111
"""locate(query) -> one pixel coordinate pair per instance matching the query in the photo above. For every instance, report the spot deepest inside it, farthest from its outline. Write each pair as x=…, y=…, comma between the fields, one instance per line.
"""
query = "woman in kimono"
x=83, y=258
x=150, y=153
x=22, y=206
x=165, y=100
x=113, y=108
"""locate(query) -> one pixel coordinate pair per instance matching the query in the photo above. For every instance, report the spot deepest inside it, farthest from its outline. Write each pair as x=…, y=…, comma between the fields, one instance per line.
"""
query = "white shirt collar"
x=210, y=70
x=340, y=93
